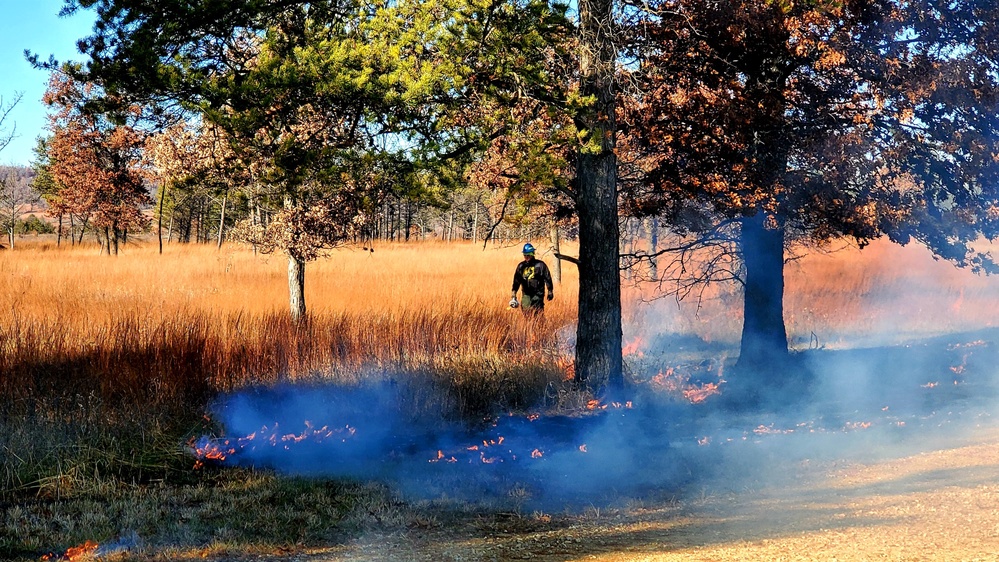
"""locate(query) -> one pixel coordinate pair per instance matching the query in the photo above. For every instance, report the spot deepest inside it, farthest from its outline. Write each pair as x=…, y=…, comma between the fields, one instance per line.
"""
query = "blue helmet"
x=528, y=249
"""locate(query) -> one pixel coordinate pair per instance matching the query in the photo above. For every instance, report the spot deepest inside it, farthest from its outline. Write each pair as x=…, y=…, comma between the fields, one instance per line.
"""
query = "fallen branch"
x=569, y=259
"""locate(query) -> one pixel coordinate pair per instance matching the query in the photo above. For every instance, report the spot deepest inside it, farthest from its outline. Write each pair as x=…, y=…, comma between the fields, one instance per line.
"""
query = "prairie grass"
x=122, y=354
x=107, y=365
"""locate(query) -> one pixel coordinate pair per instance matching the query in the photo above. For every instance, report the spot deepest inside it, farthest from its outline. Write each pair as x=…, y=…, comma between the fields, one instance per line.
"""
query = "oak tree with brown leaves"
x=95, y=160
x=797, y=123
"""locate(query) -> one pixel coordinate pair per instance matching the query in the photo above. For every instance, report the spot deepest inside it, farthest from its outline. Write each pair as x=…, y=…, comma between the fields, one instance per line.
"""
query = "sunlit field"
x=398, y=306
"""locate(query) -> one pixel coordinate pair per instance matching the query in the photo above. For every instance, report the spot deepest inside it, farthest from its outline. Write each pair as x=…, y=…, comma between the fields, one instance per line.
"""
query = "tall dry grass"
x=112, y=350
x=107, y=362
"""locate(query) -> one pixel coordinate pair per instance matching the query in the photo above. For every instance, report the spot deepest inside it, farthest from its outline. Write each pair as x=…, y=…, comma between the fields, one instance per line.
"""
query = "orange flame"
x=75, y=553
x=665, y=380
x=633, y=347
x=567, y=365
x=537, y=454
x=219, y=450
x=442, y=457
x=673, y=382
x=698, y=395
x=582, y=448
x=771, y=430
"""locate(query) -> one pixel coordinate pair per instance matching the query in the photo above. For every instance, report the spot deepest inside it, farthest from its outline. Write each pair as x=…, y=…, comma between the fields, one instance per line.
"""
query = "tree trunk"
x=399, y=212
x=296, y=287
x=475, y=223
x=159, y=220
x=409, y=217
x=764, y=336
x=225, y=199
x=598, y=334
x=556, y=250
x=653, y=248
x=59, y=233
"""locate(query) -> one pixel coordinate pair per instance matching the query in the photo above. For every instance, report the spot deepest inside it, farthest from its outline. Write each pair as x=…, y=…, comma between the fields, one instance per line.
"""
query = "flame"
x=537, y=454
x=220, y=449
x=672, y=382
x=442, y=457
x=632, y=347
x=929, y=385
x=567, y=365
x=706, y=440
x=598, y=405
x=976, y=343
x=75, y=553
x=771, y=430
x=667, y=381
x=959, y=369
x=582, y=448
x=697, y=395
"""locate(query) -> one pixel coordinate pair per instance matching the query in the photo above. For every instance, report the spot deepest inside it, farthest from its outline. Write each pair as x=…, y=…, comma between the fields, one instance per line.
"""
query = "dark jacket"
x=533, y=276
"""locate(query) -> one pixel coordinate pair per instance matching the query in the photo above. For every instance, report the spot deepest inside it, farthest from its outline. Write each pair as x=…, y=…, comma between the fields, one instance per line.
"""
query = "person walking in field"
x=531, y=278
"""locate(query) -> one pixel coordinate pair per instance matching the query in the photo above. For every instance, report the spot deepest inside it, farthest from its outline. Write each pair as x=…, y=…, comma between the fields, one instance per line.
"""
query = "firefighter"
x=531, y=278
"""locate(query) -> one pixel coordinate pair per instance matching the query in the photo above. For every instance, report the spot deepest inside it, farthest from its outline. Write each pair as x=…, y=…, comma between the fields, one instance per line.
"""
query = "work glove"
x=551, y=296
x=514, y=303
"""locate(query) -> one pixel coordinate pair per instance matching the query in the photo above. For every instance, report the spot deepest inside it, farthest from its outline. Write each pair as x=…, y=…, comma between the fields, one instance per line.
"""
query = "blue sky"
x=33, y=25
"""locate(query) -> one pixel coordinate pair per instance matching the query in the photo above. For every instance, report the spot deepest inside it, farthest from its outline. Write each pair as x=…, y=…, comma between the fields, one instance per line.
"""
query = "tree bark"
x=475, y=223
x=296, y=287
x=764, y=335
x=653, y=248
x=556, y=251
x=225, y=199
x=598, y=333
x=409, y=217
x=159, y=218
